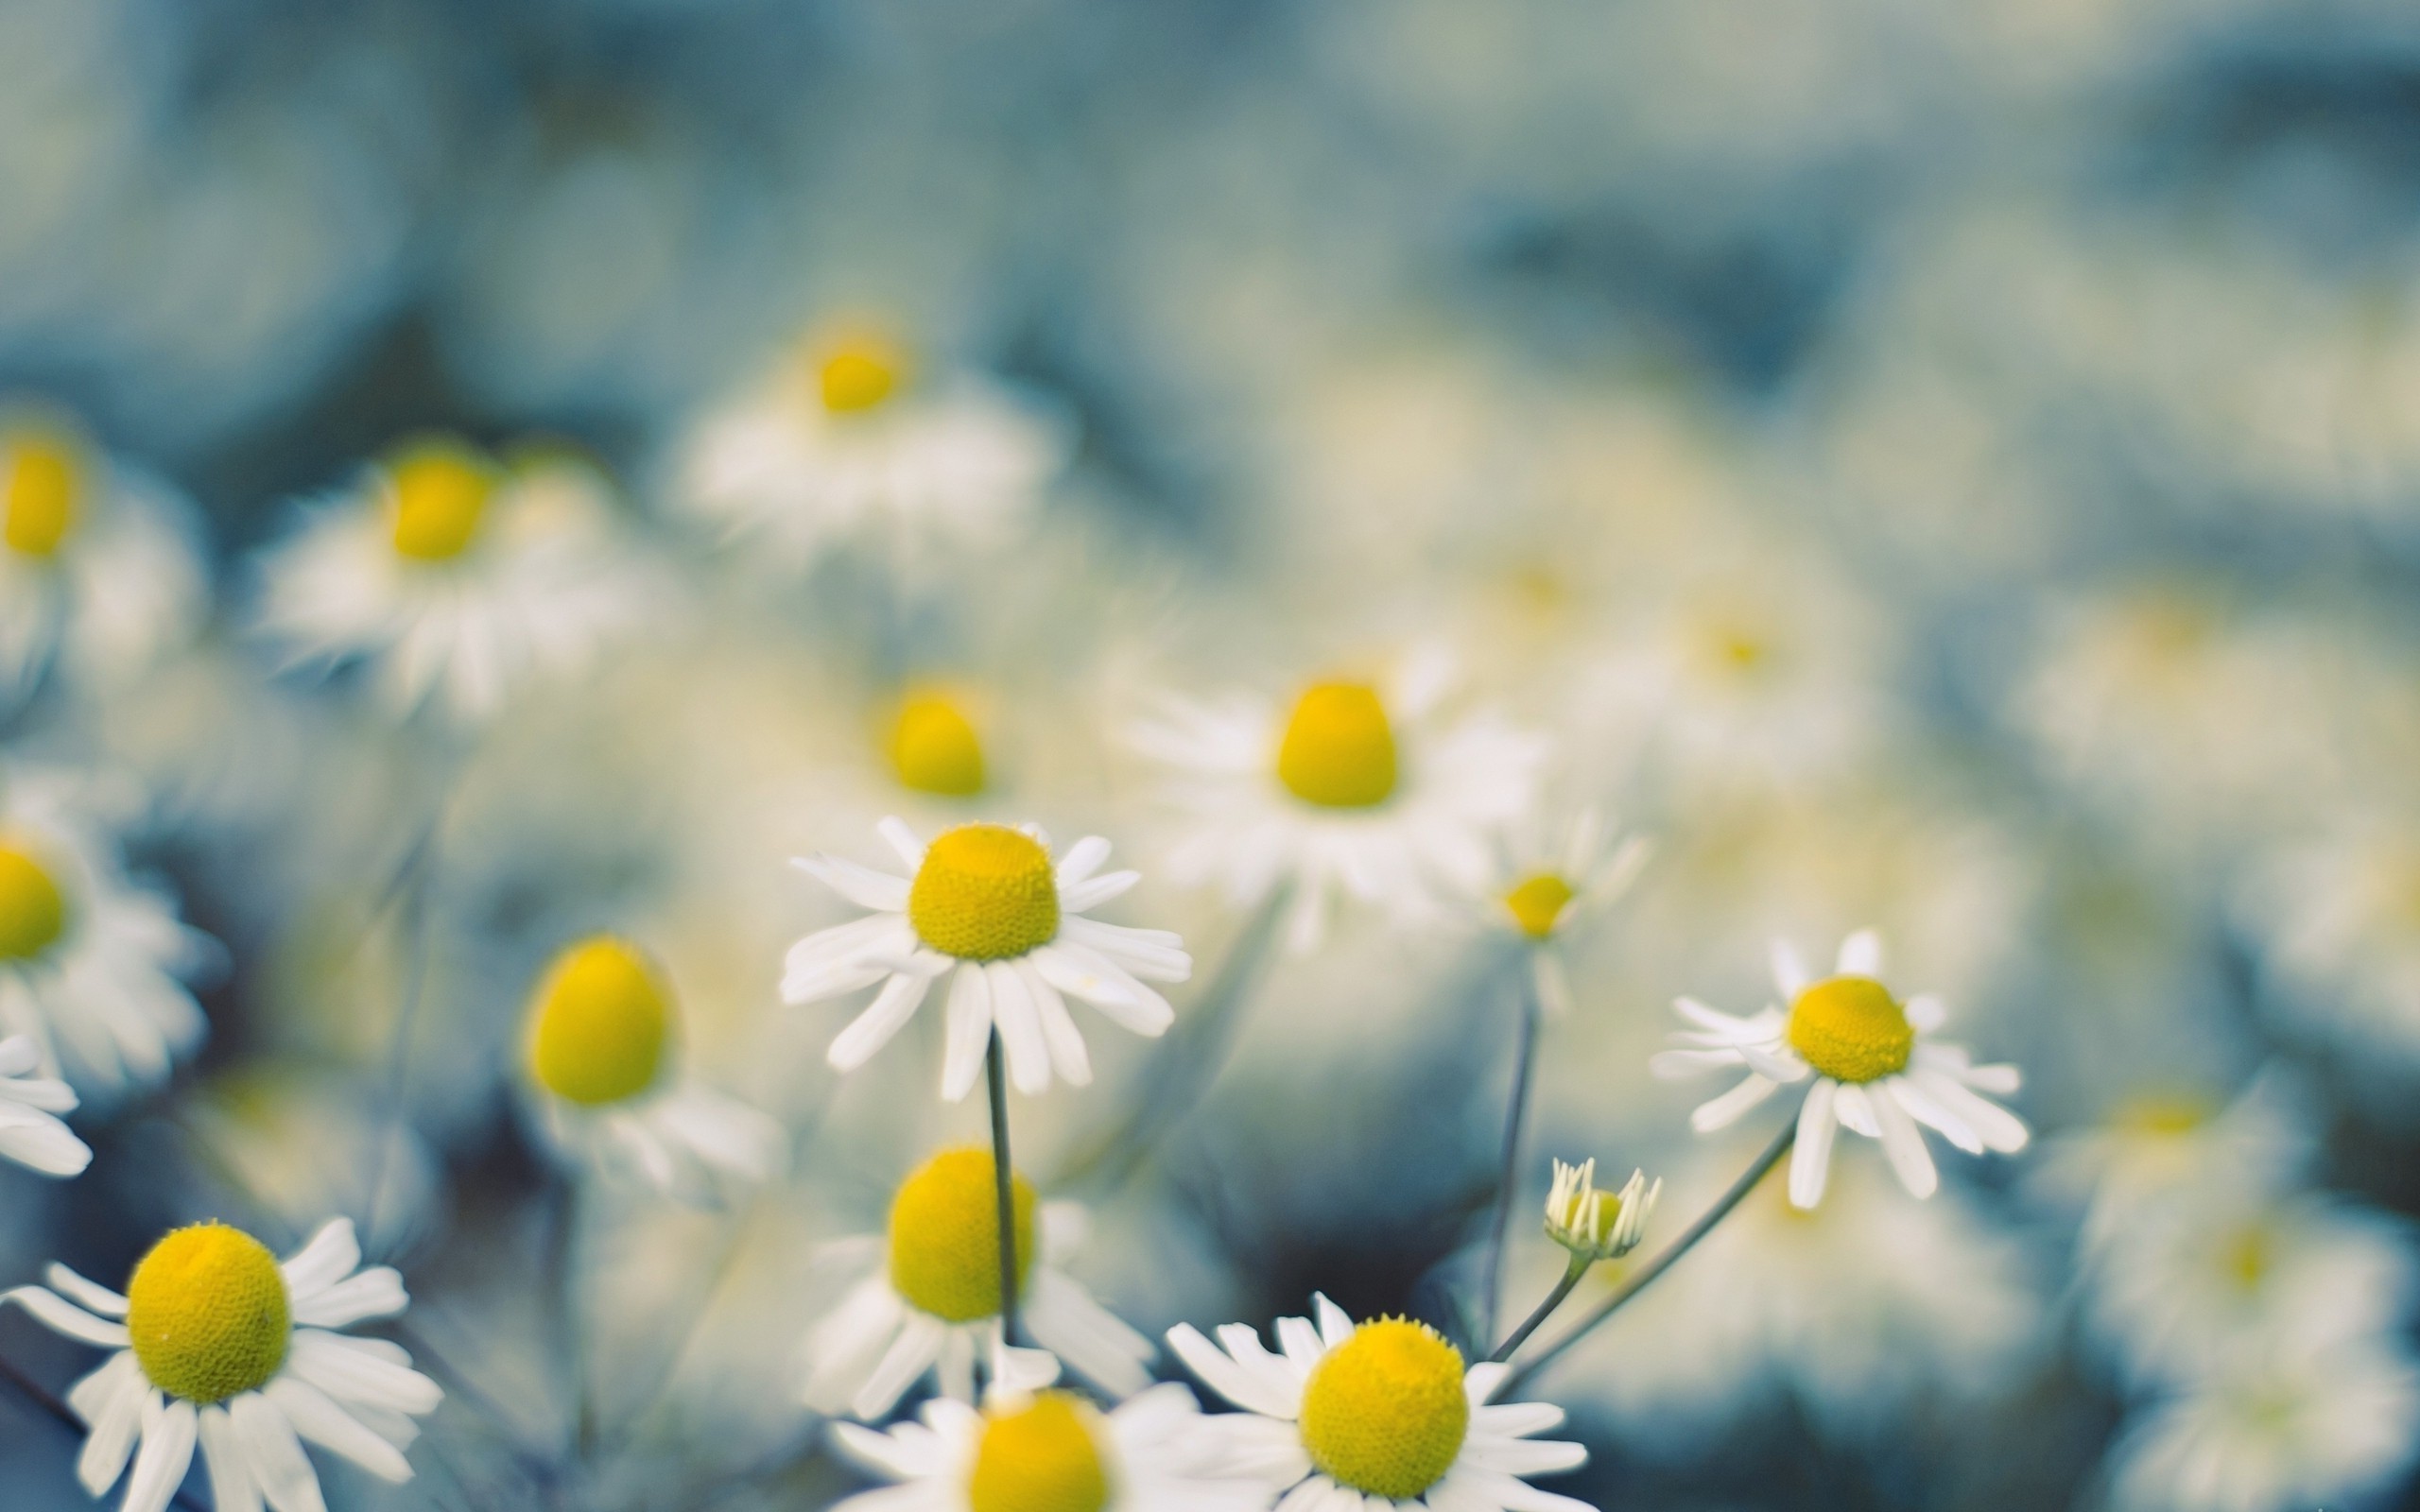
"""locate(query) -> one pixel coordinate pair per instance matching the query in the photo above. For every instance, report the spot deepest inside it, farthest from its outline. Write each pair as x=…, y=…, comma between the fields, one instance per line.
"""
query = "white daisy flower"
x=604, y=1026
x=842, y=443
x=450, y=577
x=1049, y=1449
x=984, y=906
x=221, y=1344
x=1541, y=890
x=98, y=568
x=91, y=962
x=1356, y=1418
x=1876, y=1070
x=1597, y=1225
x=928, y=1297
x=1361, y=788
x=30, y=1132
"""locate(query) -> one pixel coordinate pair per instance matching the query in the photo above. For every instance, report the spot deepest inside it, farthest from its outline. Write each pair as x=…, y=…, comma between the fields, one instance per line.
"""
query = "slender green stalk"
x=1004, y=1181
x=1544, y=1310
x=1508, y=1176
x=1639, y=1279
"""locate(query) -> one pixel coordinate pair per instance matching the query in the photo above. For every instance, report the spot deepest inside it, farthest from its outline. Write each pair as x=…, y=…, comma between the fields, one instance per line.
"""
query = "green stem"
x=1004, y=1182
x=1509, y=1168
x=1544, y=1310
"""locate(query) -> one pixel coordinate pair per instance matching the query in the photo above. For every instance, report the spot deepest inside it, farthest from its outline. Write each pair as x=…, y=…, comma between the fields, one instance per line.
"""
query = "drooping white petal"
x=1905, y=1144
x=65, y=1317
x=110, y=1401
x=287, y=1480
x=861, y=886
x=1860, y=956
x=1810, y=1164
x=232, y=1487
x=969, y=1031
x=1725, y=1110
x=169, y=1433
x=874, y=1028
x=1020, y=1026
x=323, y=1422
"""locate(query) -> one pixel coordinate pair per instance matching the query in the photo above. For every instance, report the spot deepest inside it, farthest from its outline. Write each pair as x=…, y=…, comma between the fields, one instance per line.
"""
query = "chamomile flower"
x=1876, y=1070
x=1361, y=788
x=30, y=1132
x=985, y=906
x=90, y=961
x=1351, y=1417
x=218, y=1343
x=98, y=565
x=1540, y=890
x=1599, y=1224
x=454, y=578
x=603, y=1032
x=1051, y=1451
x=928, y=1296
x=843, y=441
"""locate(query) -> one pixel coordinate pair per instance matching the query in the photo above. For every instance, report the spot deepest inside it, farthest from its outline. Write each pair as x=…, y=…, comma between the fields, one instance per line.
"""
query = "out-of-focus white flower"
x=985, y=902
x=30, y=1132
x=456, y=578
x=220, y=1343
x=1876, y=1070
x=1361, y=788
x=90, y=960
x=844, y=442
x=604, y=1028
x=1154, y=1452
x=1383, y=1412
x=1599, y=1224
x=1543, y=889
x=928, y=1297
x=2339, y=912
x=98, y=570
x=2160, y=1148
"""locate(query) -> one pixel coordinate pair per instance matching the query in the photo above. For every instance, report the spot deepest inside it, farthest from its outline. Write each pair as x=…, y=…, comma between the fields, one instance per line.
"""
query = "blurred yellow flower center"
x=945, y=1236
x=1384, y=1413
x=1851, y=1029
x=1042, y=1457
x=934, y=747
x=1537, y=903
x=2249, y=1255
x=1339, y=751
x=440, y=493
x=985, y=892
x=44, y=486
x=2163, y=1113
x=33, y=914
x=862, y=374
x=599, y=1024
x=208, y=1312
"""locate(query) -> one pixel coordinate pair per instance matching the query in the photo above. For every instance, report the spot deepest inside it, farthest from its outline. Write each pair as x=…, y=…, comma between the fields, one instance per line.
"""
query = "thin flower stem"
x=40, y=1396
x=1638, y=1279
x=1544, y=1310
x=1508, y=1176
x=415, y=881
x=1004, y=1182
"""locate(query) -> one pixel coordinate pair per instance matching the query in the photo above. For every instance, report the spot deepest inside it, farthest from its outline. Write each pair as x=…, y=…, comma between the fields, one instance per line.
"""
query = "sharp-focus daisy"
x=452, y=576
x=929, y=1299
x=1051, y=1451
x=604, y=1030
x=1599, y=1224
x=1875, y=1068
x=984, y=906
x=843, y=443
x=90, y=961
x=30, y=1132
x=1361, y=788
x=98, y=565
x=1347, y=1419
x=217, y=1342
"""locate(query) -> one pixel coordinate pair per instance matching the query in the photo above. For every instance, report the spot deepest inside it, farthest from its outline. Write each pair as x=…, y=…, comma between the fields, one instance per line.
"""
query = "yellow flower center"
x=34, y=913
x=1538, y=902
x=1042, y=1457
x=1851, y=1029
x=2249, y=1255
x=2163, y=1113
x=945, y=1236
x=44, y=488
x=208, y=1312
x=1339, y=751
x=440, y=493
x=1384, y=1413
x=934, y=747
x=985, y=892
x=862, y=374
x=599, y=1024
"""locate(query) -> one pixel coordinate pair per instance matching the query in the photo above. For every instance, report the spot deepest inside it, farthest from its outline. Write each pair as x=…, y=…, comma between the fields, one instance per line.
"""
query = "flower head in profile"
x=602, y=1043
x=986, y=906
x=1385, y=1410
x=1595, y=1224
x=452, y=576
x=1875, y=1066
x=221, y=1345
x=926, y=1296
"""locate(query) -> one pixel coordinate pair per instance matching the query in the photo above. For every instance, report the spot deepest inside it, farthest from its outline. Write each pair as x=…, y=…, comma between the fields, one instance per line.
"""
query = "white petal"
x=1725, y=1110
x=1998, y=1128
x=1020, y=1026
x=970, y=1032
x=902, y=840
x=1085, y=973
x=1855, y=1110
x=1336, y=1325
x=1810, y=1164
x=913, y=1353
x=1927, y=1013
x=871, y=1030
x=862, y=885
x=1905, y=1144
x=1790, y=969
x=287, y=1480
x=323, y=1422
x=1067, y=1052
x=1860, y=956
x=67, y=1318
x=1083, y=859
x=358, y=1370
x=333, y=1254
x=160, y=1465
x=41, y=1143
x=111, y=1400
x=232, y=1489
x=89, y=1295
x=1911, y=1095
x=1229, y=1379
x=377, y=1292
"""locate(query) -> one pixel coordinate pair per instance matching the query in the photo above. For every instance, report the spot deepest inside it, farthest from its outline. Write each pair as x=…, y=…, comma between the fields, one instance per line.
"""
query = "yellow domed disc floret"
x=1851, y=1029
x=1040, y=1457
x=934, y=747
x=985, y=892
x=43, y=490
x=860, y=374
x=33, y=912
x=208, y=1312
x=945, y=1236
x=1538, y=902
x=599, y=1024
x=440, y=491
x=1338, y=750
x=1385, y=1413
